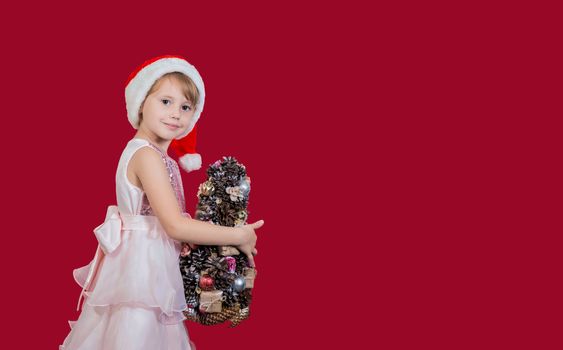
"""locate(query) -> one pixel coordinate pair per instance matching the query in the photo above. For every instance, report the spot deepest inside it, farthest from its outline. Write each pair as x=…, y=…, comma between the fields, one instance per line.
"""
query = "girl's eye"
x=188, y=108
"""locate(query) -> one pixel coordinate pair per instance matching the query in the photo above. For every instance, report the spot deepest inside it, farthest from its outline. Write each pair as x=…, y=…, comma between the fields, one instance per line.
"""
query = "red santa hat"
x=138, y=85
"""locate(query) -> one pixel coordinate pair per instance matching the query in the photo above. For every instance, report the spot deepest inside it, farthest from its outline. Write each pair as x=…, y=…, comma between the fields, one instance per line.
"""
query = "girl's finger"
x=258, y=224
x=250, y=260
x=255, y=251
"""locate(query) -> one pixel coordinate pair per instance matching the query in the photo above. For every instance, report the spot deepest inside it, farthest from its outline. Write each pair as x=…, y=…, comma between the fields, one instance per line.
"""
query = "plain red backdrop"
x=405, y=159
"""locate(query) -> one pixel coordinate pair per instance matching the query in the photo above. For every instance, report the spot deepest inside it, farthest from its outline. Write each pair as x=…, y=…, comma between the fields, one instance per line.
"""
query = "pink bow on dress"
x=109, y=238
x=109, y=232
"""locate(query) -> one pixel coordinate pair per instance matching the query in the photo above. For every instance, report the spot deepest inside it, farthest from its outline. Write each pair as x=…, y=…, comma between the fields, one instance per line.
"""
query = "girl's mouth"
x=171, y=127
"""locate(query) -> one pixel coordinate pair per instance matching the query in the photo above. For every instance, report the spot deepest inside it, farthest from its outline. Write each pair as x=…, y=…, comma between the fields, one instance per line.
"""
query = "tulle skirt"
x=124, y=327
x=136, y=297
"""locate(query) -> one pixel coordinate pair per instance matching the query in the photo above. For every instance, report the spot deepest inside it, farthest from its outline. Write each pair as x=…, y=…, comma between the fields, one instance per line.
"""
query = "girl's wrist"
x=239, y=233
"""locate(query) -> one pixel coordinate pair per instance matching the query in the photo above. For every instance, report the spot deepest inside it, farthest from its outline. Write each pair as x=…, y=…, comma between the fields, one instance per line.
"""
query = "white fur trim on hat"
x=139, y=86
x=190, y=161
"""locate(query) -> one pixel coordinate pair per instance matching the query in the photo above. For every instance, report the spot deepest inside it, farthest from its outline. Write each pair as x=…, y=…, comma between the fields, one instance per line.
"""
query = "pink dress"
x=132, y=289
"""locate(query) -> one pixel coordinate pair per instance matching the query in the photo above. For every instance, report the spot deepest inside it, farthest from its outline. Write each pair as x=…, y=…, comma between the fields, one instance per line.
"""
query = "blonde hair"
x=189, y=89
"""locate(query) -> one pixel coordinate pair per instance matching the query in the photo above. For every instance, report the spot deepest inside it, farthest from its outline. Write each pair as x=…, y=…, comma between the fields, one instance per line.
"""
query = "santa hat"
x=138, y=85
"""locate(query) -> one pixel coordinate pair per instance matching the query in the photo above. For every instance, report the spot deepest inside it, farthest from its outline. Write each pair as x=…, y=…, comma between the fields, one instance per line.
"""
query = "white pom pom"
x=190, y=161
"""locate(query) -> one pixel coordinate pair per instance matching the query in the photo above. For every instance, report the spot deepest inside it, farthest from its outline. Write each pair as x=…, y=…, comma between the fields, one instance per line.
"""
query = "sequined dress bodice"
x=175, y=180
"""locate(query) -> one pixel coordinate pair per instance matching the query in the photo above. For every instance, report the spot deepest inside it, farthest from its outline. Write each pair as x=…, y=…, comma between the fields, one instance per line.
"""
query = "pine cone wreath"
x=218, y=280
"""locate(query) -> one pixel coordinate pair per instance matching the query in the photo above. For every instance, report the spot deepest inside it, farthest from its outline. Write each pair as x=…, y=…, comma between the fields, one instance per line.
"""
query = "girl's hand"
x=248, y=239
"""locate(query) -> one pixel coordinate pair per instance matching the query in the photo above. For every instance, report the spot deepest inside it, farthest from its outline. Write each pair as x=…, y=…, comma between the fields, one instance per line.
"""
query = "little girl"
x=133, y=290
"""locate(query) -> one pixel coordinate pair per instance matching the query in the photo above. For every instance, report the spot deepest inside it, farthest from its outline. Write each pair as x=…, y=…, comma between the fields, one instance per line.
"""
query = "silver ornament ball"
x=244, y=186
x=239, y=284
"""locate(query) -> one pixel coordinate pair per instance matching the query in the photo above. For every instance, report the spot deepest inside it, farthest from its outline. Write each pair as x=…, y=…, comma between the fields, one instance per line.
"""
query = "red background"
x=406, y=160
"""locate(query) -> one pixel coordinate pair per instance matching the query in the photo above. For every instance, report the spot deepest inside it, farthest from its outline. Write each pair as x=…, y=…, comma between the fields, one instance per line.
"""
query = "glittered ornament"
x=205, y=189
x=231, y=263
x=206, y=282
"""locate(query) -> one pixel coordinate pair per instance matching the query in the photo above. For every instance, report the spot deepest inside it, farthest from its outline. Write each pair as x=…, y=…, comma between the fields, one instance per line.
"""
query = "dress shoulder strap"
x=162, y=154
x=133, y=146
x=139, y=143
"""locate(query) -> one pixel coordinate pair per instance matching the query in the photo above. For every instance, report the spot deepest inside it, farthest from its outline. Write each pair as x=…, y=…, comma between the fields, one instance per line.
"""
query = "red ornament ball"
x=206, y=282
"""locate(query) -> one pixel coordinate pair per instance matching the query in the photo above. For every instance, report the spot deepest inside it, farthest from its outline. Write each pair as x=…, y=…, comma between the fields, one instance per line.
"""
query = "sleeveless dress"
x=132, y=289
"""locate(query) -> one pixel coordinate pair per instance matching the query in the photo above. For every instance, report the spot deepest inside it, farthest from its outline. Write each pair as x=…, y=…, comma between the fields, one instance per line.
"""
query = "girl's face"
x=166, y=112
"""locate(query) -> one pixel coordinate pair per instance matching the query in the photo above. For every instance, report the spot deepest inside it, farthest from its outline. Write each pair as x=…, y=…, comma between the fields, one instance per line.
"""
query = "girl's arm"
x=201, y=232
x=148, y=166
